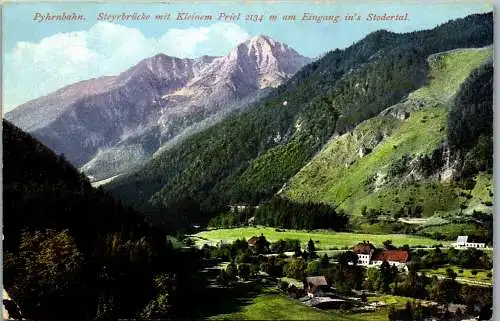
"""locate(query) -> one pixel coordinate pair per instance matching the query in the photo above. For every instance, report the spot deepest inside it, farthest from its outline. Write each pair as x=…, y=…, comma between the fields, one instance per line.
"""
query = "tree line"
x=285, y=213
x=470, y=123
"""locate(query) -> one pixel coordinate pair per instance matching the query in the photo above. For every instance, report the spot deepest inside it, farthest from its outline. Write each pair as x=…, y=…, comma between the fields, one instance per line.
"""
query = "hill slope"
x=354, y=169
x=407, y=161
x=72, y=251
x=249, y=157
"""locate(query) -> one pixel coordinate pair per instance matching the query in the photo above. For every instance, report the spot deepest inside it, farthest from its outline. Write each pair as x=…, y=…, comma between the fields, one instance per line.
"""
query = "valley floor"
x=325, y=240
x=465, y=276
x=271, y=305
x=259, y=299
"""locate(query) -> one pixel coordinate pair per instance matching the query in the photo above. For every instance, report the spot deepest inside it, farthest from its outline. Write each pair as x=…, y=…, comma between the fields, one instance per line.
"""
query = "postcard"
x=247, y=160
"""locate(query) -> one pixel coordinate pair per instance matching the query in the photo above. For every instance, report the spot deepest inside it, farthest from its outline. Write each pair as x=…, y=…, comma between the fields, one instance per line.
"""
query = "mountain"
x=249, y=157
x=110, y=124
x=429, y=155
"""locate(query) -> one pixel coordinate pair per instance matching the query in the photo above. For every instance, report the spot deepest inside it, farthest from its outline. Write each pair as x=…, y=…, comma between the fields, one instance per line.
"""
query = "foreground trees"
x=46, y=273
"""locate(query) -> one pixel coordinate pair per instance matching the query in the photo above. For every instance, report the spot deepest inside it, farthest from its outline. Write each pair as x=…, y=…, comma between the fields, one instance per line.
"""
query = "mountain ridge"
x=247, y=158
x=129, y=116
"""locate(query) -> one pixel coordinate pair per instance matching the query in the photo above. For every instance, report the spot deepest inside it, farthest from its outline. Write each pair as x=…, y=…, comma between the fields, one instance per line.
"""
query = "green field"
x=466, y=275
x=327, y=240
x=395, y=300
x=276, y=306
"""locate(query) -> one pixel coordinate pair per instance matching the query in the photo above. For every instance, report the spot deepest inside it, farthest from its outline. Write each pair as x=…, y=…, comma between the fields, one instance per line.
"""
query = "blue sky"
x=42, y=57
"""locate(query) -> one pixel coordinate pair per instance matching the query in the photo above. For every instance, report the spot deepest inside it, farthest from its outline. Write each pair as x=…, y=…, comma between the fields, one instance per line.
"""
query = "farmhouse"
x=399, y=258
x=462, y=242
x=316, y=286
x=364, y=251
x=368, y=255
x=253, y=240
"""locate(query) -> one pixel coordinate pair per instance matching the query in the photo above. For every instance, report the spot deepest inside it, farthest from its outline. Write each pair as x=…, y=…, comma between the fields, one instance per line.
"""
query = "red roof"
x=253, y=240
x=400, y=256
x=363, y=248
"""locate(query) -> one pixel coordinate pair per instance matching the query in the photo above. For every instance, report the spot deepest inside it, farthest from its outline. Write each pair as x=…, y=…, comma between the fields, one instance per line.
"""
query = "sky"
x=41, y=57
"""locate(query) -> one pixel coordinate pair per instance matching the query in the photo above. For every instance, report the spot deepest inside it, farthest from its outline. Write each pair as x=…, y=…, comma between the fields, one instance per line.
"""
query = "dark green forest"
x=283, y=213
x=72, y=251
x=247, y=158
x=470, y=125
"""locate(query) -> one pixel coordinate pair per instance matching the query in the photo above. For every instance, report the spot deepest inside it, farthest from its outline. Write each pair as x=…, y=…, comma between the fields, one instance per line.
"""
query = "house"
x=316, y=286
x=462, y=242
x=399, y=258
x=364, y=251
x=259, y=240
x=253, y=240
x=368, y=255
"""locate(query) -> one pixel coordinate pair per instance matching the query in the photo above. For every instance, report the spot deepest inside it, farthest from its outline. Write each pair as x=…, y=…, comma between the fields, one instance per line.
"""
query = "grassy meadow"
x=271, y=305
x=327, y=239
x=463, y=274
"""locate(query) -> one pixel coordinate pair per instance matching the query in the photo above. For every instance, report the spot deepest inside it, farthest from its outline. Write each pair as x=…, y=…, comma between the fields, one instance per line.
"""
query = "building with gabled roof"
x=368, y=255
x=463, y=241
x=316, y=285
x=394, y=257
x=253, y=240
x=364, y=251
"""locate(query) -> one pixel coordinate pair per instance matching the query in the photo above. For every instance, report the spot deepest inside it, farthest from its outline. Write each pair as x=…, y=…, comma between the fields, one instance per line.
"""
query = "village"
x=356, y=280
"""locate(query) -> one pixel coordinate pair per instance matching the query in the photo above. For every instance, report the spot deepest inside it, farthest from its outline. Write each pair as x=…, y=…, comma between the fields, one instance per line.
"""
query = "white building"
x=369, y=256
x=462, y=243
x=364, y=251
x=399, y=258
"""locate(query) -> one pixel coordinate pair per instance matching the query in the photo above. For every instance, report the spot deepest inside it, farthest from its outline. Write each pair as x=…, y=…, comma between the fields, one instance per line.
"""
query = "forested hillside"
x=427, y=155
x=470, y=123
x=248, y=158
x=72, y=251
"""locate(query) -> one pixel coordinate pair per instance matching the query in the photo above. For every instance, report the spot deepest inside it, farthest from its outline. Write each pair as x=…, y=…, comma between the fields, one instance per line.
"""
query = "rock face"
x=10, y=310
x=109, y=124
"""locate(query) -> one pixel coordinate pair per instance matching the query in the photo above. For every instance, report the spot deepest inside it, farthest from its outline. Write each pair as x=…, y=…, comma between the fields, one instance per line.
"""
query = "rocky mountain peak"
x=113, y=120
x=265, y=61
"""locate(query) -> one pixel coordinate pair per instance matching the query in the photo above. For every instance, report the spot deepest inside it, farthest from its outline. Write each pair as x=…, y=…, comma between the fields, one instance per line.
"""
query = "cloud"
x=32, y=70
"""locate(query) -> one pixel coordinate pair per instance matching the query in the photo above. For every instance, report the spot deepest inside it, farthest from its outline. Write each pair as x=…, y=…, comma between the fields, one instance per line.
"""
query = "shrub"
x=232, y=271
x=243, y=257
x=223, y=278
x=244, y=270
x=295, y=269
x=283, y=286
x=265, y=267
x=254, y=269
